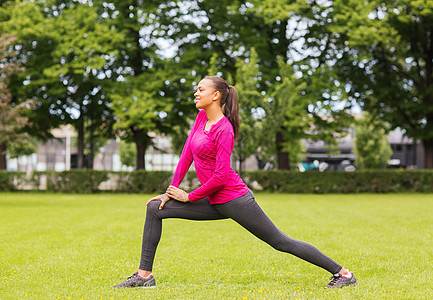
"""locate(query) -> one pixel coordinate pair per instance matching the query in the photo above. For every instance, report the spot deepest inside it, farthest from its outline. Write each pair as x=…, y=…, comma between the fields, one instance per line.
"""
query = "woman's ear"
x=217, y=95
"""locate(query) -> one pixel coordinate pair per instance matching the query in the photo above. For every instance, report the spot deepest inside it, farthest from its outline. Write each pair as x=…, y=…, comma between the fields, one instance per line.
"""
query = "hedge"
x=9, y=181
x=149, y=182
x=368, y=181
x=89, y=181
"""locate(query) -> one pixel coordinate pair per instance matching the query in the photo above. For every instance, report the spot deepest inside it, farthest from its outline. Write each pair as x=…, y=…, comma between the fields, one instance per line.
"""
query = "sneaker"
x=138, y=281
x=339, y=281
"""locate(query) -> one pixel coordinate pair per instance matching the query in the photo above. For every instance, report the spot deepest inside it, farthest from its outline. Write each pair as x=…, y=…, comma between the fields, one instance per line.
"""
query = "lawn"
x=58, y=246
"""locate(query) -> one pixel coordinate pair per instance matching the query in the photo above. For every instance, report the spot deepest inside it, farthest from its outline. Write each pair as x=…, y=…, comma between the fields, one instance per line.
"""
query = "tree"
x=213, y=65
x=25, y=146
x=371, y=148
x=12, y=117
x=86, y=46
x=67, y=50
x=287, y=119
x=139, y=108
x=149, y=92
x=34, y=50
x=247, y=86
x=386, y=61
x=127, y=153
x=296, y=33
x=300, y=108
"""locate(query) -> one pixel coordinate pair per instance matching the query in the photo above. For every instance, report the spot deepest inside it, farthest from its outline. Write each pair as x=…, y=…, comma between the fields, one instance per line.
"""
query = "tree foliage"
x=68, y=52
x=247, y=82
x=149, y=89
x=12, y=116
x=371, y=147
x=386, y=52
x=134, y=63
x=128, y=154
x=287, y=119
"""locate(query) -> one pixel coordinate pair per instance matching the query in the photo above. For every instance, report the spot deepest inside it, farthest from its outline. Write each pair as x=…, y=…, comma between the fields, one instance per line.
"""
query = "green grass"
x=57, y=246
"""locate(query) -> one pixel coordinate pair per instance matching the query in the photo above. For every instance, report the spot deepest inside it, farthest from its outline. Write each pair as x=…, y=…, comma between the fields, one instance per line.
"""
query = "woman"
x=222, y=194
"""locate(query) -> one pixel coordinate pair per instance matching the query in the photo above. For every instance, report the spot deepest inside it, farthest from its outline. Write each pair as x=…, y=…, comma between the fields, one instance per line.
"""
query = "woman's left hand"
x=177, y=194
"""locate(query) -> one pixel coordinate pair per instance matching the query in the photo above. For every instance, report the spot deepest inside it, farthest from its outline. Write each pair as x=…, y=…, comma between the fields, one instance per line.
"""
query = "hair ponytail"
x=229, y=102
x=231, y=109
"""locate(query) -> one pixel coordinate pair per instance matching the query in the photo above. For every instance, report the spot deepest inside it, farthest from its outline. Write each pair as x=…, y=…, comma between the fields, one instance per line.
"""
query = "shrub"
x=9, y=180
x=150, y=182
x=368, y=181
x=75, y=181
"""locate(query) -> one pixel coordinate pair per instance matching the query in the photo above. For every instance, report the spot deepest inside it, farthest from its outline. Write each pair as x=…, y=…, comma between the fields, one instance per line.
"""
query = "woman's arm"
x=184, y=163
x=182, y=167
x=224, y=142
x=163, y=198
x=177, y=194
x=186, y=158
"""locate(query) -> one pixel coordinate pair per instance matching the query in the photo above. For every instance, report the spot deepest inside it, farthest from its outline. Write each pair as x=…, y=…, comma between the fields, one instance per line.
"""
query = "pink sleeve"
x=224, y=142
x=186, y=158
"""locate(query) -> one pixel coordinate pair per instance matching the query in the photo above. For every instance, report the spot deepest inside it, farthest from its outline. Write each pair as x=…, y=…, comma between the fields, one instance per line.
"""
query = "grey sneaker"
x=137, y=281
x=339, y=281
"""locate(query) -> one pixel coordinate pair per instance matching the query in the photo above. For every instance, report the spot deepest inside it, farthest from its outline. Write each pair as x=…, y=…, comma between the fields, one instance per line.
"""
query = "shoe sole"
x=131, y=287
x=349, y=285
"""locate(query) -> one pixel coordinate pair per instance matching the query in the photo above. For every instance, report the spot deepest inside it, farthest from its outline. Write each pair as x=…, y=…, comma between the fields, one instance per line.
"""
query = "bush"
x=369, y=181
x=9, y=180
x=150, y=182
x=76, y=181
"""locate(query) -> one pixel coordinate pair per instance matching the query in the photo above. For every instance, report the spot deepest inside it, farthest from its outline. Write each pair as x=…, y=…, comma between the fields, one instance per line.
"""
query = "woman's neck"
x=214, y=114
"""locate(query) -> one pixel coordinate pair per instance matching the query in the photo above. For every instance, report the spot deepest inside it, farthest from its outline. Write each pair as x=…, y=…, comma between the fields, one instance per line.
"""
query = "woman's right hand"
x=163, y=197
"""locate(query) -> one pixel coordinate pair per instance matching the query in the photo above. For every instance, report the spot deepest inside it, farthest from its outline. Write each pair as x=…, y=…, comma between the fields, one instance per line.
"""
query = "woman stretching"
x=222, y=193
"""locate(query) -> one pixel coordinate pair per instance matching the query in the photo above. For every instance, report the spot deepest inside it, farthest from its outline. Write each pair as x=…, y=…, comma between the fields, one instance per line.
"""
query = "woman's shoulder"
x=199, y=119
x=223, y=127
x=201, y=114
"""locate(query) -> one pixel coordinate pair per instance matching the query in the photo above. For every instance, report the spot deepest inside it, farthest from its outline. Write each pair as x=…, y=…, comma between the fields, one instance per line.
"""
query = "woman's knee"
x=279, y=245
x=153, y=206
x=285, y=244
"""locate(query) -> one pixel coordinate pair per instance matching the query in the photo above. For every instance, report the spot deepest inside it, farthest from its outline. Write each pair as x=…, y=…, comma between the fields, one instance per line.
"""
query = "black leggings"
x=244, y=210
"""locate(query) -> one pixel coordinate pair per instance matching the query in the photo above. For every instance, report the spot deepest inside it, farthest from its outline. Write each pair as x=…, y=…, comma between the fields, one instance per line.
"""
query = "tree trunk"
x=92, y=151
x=92, y=139
x=241, y=161
x=428, y=144
x=284, y=43
x=282, y=156
x=3, y=165
x=80, y=145
x=241, y=157
x=428, y=154
x=141, y=146
x=92, y=147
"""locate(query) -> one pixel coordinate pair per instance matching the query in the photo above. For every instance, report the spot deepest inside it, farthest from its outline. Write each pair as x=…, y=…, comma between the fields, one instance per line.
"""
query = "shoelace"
x=133, y=276
x=334, y=280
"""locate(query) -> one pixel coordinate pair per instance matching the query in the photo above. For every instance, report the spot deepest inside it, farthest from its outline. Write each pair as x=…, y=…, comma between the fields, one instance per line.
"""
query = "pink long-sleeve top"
x=210, y=151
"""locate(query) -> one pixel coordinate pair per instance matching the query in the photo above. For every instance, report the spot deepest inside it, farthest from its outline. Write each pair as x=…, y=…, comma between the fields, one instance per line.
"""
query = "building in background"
x=60, y=154
x=406, y=154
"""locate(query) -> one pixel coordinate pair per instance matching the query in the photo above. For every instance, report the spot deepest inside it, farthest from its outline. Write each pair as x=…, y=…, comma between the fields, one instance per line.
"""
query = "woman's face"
x=206, y=94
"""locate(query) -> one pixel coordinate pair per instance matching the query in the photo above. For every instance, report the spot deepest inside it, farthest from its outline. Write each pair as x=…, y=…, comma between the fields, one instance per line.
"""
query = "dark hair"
x=229, y=101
